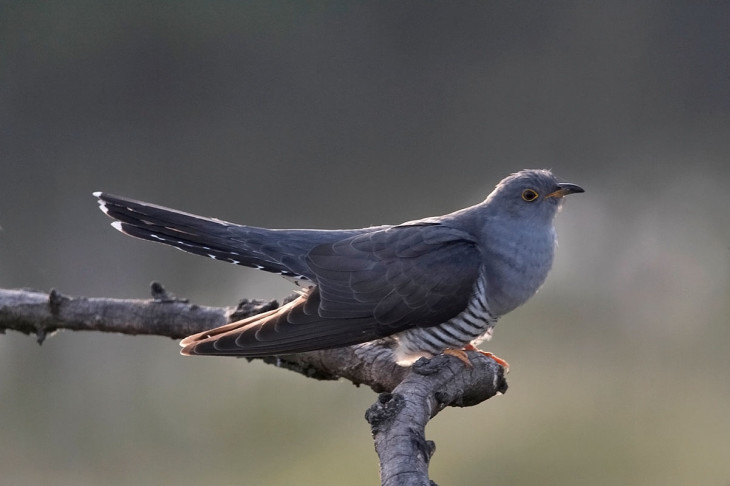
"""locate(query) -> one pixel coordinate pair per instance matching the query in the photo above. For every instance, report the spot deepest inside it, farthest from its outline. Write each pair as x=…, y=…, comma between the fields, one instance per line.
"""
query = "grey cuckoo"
x=427, y=286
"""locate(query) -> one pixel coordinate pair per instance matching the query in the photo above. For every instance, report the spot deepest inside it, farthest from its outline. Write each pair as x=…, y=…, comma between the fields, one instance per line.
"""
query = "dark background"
x=346, y=114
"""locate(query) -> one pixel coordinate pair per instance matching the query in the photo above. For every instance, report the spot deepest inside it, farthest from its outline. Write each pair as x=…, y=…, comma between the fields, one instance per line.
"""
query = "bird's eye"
x=529, y=195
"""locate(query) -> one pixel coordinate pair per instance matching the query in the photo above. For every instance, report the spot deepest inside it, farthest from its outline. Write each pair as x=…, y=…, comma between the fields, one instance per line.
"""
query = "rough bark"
x=398, y=419
x=409, y=397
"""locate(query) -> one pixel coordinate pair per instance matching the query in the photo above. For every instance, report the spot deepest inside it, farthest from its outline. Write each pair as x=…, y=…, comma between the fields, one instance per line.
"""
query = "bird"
x=423, y=287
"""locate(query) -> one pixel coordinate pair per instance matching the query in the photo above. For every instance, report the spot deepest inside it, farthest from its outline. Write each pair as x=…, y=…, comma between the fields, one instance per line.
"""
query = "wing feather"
x=368, y=286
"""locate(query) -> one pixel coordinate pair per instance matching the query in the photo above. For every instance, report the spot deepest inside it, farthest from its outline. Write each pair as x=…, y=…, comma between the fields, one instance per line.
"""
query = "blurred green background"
x=345, y=114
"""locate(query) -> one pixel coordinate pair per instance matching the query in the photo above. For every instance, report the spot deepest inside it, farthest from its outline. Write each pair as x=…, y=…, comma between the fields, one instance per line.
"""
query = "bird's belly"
x=472, y=325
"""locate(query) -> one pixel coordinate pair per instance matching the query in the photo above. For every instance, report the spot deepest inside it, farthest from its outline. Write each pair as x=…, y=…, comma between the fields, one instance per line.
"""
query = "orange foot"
x=459, y=354
x=471, y=347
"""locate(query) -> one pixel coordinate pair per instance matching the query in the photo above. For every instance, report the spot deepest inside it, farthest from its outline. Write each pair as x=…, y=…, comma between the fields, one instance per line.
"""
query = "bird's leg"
x=497, y=359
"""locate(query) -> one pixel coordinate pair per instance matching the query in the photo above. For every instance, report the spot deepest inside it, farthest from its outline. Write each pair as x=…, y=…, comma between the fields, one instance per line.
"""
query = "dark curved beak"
x=565, y=188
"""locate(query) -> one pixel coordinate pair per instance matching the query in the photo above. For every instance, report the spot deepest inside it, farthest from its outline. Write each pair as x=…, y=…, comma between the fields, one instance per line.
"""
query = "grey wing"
x=368, y=286
x=280, y=251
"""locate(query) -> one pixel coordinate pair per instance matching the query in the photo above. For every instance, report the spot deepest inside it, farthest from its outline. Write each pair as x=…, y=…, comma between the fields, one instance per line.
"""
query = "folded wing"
x=368, y=286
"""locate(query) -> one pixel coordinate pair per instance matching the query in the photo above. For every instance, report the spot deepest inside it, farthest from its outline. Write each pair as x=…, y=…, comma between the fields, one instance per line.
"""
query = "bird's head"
x=532, y=194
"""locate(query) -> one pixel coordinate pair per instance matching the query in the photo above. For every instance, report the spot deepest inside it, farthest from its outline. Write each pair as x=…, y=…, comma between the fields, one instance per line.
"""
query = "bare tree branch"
x=40, y=313
x=398, y=419
x=410, y=396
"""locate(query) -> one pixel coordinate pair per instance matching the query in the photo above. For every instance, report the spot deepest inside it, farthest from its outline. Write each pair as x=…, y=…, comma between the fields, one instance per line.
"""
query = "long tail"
x=279, y=251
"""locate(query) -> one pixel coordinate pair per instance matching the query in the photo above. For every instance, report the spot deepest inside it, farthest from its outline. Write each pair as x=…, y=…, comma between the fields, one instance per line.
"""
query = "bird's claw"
x=461, y=355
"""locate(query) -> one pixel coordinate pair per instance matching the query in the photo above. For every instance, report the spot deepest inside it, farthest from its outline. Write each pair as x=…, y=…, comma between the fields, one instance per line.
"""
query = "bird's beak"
x=565, y=188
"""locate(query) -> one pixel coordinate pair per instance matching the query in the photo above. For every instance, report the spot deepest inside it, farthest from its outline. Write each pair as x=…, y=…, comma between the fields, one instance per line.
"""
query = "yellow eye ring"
x=529, y=195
